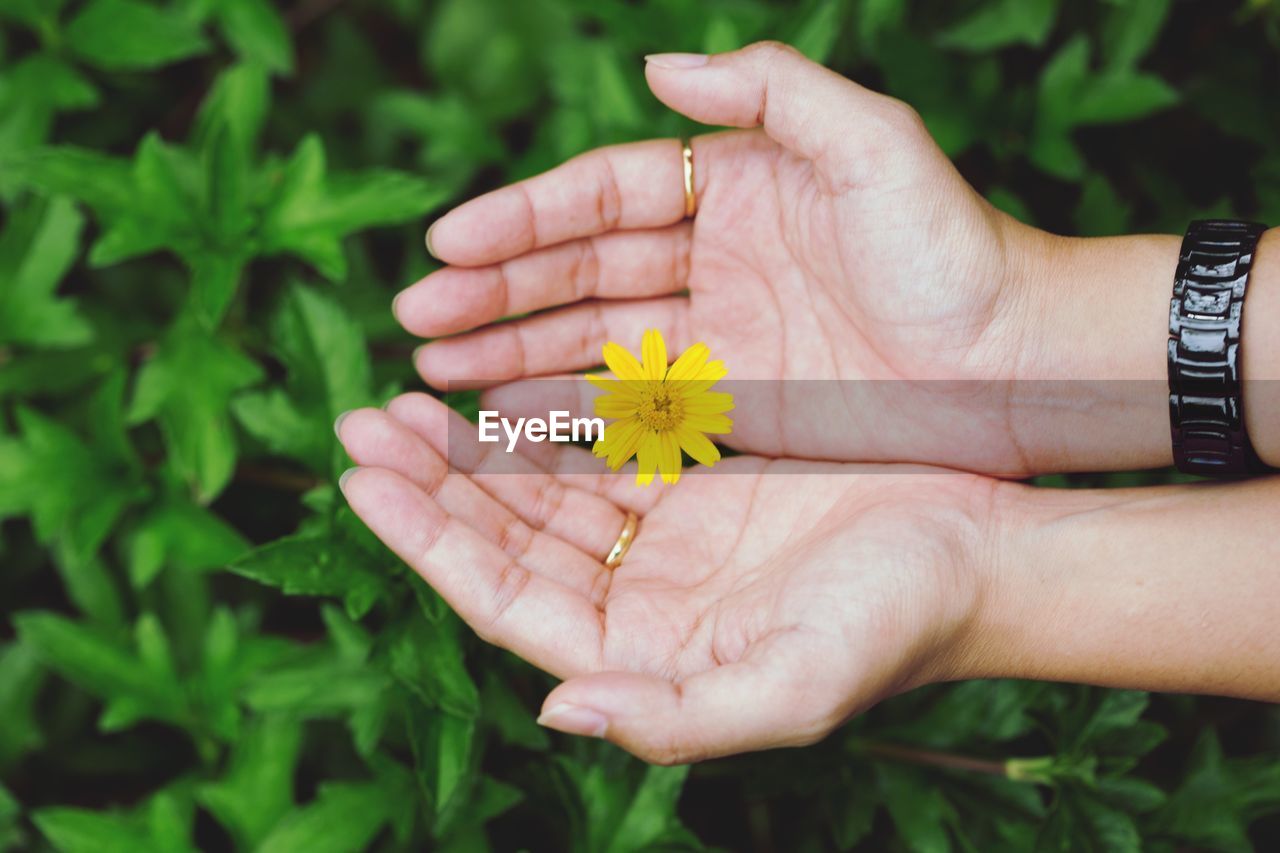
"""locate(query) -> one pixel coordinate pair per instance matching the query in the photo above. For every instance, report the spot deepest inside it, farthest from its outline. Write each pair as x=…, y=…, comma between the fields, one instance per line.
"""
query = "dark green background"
x=207, y=207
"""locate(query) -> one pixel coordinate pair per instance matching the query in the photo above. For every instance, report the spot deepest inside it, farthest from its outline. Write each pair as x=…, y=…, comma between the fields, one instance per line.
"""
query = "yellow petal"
x=689, y=362
x=622, y=443
x=654, y=351
x=647, y=456
x=622, y=363
x=698, y=446
x=669, y=457
x=709, y=403
x=615, y=406
x=687, y=388
x=711, y=424
x=712, y=370
x=604, y=383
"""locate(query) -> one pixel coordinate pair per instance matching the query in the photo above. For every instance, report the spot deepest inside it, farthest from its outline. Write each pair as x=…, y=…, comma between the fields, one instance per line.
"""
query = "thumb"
x=762, y=701
x=803, y=106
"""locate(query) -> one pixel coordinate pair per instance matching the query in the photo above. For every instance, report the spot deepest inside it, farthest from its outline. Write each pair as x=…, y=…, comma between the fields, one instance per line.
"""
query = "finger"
x=777, y=695
x=619, y=265
x=375, y=438
x=540, y=620
x=587, y=521
x=805, y=107
x=565, y=339
x=637, y=185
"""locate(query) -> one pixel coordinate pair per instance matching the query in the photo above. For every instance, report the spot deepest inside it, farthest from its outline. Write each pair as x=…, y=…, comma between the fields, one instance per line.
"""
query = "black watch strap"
x=1206, y=411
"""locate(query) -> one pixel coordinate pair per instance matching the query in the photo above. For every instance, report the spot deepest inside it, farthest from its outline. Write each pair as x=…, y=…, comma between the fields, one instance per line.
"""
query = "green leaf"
x=20, y=680
x=37, y=14
x=1220, y=797
x=256, y=791
x=73, y=489
x=163, y=824
x=651, y=813
x=343, y=817
x=426, y=657
x=1000, y=23
x=104, y=183
x=131, y=34
x=1122, y=96
x=1101, y=212
x=329, y=372
x=187, y=385
x=133, y=688
x=503, y=709
x=818, y=32
x=1131, y=28
x=32, y=92
x=317, y=565
x=310, y=212
x=238, y=101
x=11, y=834
x=257, y=32
x=442, y=752
x=39, y=243
x=181, y=535
x=918, y=809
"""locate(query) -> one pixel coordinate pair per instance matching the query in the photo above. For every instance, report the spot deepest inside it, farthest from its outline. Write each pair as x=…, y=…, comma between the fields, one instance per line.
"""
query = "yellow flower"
x=661, y=410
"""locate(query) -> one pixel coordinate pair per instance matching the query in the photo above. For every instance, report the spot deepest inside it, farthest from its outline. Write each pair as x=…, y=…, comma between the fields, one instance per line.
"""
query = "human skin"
x=834, y=240
x=763, y=604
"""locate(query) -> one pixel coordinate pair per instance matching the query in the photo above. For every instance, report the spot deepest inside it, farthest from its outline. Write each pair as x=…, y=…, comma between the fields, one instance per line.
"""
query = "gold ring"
x=690, y=200
x=623, y=545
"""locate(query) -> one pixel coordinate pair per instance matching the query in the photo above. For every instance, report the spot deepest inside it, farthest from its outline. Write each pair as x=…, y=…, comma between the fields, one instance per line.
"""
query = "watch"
x=1206, y=411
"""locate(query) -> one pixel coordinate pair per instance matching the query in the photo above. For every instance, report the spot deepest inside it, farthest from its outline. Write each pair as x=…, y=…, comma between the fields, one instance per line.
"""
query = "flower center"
x=661, y=409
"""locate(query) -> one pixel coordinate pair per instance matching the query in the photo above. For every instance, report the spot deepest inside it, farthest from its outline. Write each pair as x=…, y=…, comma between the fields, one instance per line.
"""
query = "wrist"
x=1164, y=588
x=1260, y=350
x=1089, y=389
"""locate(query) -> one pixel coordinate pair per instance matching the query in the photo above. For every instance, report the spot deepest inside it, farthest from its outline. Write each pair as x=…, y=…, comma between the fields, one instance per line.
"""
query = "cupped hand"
x=834, y=241
x=759, y=606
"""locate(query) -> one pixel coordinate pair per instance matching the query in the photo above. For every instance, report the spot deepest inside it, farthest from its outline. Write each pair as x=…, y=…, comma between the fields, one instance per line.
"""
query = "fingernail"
x=677, y=61
x=574, y=720
x=431, y=251
x=346, y=475
x=417, y=353
x=337, y=424
x=395, y=302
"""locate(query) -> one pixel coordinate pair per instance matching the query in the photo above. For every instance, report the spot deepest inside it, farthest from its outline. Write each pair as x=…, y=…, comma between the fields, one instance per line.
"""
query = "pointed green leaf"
x=38, y=246
x=343, y=817
x=256, y=791
x=131, y=34
x=257, y=32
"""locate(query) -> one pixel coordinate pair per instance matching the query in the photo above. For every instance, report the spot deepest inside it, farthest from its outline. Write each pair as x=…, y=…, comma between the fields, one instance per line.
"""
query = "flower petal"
x=647, y=455
x=622, y=363
x=654, y=351
x=622, y=443
x=669, y=457
x=698, y=446
x=604, y=383
x=615, y=406
x=712, y=370
x=709, y=403
x=689, y=362
x=716, y=424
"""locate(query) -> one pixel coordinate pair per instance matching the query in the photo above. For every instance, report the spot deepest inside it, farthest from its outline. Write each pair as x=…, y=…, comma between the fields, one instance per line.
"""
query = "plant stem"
x=932, y=758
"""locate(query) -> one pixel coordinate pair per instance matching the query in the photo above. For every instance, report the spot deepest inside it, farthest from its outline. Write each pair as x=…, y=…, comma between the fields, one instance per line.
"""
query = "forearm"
x=1093, y=392
x=1174, y=588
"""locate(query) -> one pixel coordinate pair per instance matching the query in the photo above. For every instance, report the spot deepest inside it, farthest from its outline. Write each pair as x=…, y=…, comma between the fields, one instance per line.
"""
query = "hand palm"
x=794, y=276
x=766, y=577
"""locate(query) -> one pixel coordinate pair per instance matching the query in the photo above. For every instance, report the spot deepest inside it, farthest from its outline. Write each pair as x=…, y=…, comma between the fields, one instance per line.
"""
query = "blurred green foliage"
x=207, y=206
